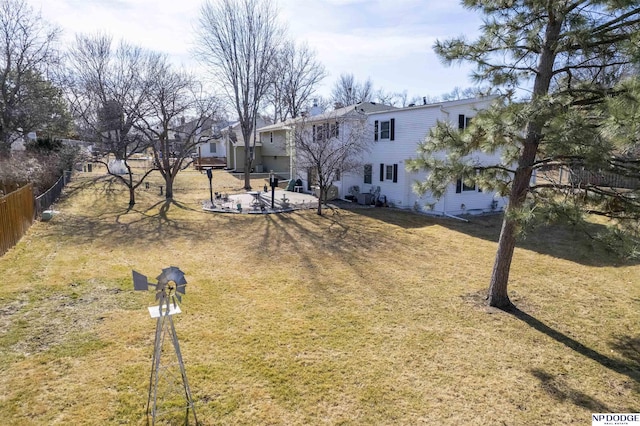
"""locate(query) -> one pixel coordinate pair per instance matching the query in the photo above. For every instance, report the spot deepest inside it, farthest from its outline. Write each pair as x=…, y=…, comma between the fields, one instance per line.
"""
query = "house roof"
x=359, y=108
x=444, y=104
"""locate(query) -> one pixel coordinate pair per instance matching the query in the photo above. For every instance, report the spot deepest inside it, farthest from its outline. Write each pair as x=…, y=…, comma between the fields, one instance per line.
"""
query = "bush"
x=41, y=164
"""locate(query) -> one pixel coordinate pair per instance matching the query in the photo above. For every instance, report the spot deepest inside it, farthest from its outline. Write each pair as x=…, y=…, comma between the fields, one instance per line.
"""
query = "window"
x=325, y=131
x=271, y=137
x=337, y=174
x=335, y=130
x=463, y=121
x=389, y=172
x=384, y=129
x=212, y=147
x=368, y=172
x=461, y=186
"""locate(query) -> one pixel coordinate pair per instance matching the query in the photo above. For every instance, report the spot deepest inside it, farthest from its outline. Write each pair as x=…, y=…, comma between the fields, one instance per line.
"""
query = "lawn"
x=358, y=317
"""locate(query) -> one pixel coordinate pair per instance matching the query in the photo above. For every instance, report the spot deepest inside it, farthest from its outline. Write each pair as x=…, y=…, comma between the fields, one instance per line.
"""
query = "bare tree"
x=347, y=91
x=331, y=147
x=108, y=90
x=296, y=73
x=26, y=50
x=173, y=97
x=239, y=40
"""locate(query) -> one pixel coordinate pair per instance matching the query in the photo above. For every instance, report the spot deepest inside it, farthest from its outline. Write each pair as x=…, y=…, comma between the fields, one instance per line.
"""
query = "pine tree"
x=574, y=60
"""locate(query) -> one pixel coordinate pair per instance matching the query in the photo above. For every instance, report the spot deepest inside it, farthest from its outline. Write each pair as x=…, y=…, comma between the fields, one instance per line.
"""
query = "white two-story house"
x=393, y=135
x=395, y=139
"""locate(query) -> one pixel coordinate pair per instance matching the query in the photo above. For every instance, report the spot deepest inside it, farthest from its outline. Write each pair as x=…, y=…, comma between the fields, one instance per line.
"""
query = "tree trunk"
x=247, y=168
x=169, y=189
x=132, y=191
x=497, y=295
x=320, y=192
x=132, y=196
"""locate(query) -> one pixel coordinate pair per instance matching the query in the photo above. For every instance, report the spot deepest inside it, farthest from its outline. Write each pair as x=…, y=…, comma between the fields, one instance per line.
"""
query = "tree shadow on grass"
x=121, y=225
x=628, y=367
x=628, y=347
x=559, y=390
x=402, y=218
x=562, y=241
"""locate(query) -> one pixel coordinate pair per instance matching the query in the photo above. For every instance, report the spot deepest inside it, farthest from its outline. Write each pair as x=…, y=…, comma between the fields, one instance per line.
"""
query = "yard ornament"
x=164, y=382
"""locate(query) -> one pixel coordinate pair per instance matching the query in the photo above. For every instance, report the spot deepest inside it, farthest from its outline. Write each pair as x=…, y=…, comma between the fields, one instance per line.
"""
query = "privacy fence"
x=19, y=208
x=16, y=216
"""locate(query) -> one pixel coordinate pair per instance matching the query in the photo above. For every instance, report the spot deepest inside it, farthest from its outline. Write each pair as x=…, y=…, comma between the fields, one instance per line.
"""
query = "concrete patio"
x=259, y=202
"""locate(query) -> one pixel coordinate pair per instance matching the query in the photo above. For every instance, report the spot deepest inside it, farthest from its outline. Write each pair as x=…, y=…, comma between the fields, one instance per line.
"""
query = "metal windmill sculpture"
x=169, y=291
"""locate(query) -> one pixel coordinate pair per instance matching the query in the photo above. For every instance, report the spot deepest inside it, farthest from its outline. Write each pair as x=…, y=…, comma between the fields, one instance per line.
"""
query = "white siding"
x=411, y=127
x=205, y=149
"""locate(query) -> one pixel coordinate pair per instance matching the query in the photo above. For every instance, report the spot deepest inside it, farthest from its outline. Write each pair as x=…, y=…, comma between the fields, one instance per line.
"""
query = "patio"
x=259, y=202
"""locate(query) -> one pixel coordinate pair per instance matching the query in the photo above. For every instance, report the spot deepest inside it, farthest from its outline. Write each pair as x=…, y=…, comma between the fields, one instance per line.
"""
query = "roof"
x=362, y=108
x=445, y=104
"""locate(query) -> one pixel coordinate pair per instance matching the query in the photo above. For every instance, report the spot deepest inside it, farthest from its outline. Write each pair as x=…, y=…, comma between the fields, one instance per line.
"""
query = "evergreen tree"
x=574, y=60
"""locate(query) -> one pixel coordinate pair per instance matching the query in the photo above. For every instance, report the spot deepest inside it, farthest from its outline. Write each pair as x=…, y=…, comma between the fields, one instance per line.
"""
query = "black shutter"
x=375, y=130
x=395, y=173
x=461, y=121
x=458, y=186
x=381, y=172
x=393, y=129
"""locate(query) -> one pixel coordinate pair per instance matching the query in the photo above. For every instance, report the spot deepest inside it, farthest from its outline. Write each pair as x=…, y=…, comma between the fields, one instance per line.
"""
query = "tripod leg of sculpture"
x=187, y=390
x=155, y=369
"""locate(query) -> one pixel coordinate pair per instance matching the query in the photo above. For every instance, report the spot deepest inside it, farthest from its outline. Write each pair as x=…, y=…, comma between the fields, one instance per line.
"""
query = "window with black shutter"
x=375, y=130
x=463, y=121
x=381, y=172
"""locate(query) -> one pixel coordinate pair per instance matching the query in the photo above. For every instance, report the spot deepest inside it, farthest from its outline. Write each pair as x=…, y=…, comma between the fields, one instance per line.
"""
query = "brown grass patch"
x=371, y=316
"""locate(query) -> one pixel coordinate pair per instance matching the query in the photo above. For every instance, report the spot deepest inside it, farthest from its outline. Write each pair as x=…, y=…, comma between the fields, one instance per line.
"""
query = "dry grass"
x=370, y=316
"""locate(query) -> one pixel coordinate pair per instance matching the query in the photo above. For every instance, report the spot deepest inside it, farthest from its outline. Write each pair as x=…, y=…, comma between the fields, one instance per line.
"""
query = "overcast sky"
x=389, y=41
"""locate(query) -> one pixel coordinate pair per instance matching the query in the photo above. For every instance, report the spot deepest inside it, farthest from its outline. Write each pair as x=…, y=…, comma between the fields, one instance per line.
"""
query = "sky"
x=388, y=41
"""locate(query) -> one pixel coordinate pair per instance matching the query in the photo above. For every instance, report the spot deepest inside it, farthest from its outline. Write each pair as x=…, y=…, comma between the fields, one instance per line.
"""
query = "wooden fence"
x=581, y=177
x=17, y=211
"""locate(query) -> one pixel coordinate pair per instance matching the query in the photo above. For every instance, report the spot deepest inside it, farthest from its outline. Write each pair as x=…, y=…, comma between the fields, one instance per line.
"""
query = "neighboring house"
x=278, y=149
x=396, y=136
x=234, y=147
x=211, y=149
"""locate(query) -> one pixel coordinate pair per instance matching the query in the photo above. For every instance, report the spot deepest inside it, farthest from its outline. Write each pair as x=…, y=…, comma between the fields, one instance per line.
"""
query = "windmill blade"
x=172, y=273
x=140, y=282
x=181, y=289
